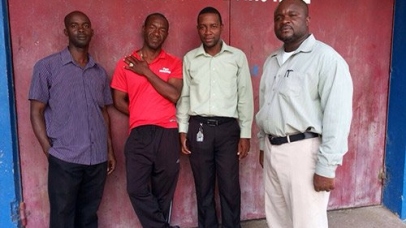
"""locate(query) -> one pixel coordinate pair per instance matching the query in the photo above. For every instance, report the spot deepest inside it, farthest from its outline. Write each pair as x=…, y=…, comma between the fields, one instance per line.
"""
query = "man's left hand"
x=323, y=183
x=243, y=148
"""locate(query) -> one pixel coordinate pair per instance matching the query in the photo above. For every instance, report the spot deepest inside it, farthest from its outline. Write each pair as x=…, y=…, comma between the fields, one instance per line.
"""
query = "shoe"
x=174, y=226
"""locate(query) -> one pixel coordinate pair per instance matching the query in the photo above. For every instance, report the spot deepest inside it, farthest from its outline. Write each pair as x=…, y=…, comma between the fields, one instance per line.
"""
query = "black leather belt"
x=291, y=138
x=212, y=121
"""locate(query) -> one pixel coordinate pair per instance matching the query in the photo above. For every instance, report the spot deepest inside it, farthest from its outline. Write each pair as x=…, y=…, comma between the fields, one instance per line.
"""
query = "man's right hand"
x=46, y=150
x=183, y=139
x=261, y=158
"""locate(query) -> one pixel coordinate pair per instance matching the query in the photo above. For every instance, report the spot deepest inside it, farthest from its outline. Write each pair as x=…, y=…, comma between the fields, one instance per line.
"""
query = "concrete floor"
x=364, y=217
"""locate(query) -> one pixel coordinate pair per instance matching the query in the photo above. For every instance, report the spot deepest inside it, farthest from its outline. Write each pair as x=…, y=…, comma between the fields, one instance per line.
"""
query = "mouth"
x=82, y=37
x=285, y=28
x=155, y=40
x=208, y=40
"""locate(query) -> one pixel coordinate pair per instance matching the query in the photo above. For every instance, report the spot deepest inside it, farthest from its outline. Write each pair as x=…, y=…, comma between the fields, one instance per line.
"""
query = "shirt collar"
x=224, y=48
x=306, y=46
x=67, y=58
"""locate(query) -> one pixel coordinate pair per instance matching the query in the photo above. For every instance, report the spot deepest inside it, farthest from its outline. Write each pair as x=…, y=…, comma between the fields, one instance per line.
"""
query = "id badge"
x=199, y=135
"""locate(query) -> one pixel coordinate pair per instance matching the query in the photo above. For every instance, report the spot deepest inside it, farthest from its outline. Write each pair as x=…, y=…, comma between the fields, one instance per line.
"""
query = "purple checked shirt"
x=75, y=97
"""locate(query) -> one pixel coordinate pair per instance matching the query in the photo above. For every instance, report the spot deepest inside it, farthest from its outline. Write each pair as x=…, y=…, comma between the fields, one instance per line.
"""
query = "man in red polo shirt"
x=147, y=84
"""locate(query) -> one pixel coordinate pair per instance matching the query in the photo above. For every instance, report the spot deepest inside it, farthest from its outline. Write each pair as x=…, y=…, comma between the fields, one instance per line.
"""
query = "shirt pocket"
x=292, y=84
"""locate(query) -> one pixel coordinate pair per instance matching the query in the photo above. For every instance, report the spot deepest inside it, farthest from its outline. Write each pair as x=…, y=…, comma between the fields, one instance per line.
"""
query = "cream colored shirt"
x=312, y=91
x=217, y=86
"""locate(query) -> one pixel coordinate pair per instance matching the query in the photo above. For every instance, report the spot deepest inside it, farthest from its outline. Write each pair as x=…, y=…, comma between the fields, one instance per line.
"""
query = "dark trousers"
x=75, y=192
x=215, y=157
x=152, y=164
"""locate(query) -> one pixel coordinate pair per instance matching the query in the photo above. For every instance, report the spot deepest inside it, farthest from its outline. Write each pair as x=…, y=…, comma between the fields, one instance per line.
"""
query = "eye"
x=86, y=26
x=277, y=18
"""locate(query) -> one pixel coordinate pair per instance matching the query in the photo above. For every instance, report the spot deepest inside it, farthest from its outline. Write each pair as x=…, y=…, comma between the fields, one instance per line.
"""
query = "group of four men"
x=204, y=110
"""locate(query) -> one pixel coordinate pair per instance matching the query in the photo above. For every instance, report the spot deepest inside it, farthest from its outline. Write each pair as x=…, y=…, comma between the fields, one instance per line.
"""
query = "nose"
x=81, y=28
x=207, y=31
x=155, y=32
x=285, y=19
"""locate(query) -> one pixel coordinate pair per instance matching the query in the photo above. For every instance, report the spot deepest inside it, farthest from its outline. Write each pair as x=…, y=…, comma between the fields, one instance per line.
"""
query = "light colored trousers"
x=290, y=198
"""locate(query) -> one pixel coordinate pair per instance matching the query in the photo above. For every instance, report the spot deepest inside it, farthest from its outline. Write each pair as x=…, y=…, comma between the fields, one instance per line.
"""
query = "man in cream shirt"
x=304, y=119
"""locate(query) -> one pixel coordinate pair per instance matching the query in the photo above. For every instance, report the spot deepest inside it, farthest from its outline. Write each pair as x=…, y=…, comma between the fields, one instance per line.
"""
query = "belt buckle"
x=212, y=123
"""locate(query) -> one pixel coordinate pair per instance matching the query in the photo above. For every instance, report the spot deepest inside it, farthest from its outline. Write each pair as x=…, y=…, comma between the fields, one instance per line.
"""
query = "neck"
x=289, y=47
x=148, y=54
x=79, y=55
x=214, y=50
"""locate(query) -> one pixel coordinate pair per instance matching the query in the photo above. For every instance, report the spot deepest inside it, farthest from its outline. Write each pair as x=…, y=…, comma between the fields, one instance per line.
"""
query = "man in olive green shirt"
x=215, y=113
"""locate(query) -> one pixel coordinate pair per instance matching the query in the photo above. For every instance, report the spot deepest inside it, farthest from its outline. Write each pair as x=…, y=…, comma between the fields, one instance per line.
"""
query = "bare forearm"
x=107, y=121
x=167, y=90
x=122, y=106
x=38, y=126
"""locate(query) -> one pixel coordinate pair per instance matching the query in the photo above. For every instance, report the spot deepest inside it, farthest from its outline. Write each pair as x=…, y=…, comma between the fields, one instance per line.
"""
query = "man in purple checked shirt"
x=69, y=96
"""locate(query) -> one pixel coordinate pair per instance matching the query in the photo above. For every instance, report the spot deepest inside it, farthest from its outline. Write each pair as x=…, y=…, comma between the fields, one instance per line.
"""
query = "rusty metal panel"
x=352, y=29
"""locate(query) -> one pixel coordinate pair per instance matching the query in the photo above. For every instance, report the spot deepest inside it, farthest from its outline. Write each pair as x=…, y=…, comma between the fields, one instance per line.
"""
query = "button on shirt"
x=312, y=91
x=217, y=86
x=75, y=97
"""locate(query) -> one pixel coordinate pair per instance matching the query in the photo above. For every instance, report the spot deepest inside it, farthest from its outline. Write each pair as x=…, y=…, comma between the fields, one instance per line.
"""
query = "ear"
x=307, y=21
x=65, y=32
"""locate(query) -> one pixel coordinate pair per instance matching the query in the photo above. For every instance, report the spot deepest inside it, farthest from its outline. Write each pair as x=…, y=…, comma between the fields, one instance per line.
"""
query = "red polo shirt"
x=146, y=105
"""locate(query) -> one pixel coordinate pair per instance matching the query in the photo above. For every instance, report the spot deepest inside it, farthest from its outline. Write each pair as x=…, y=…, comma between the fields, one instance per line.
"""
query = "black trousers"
x=152, y=164
x=75, y=192
x=216, y=157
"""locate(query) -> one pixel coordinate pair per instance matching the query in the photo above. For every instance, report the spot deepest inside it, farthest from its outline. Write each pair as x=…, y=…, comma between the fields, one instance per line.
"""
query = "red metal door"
x=37, y=31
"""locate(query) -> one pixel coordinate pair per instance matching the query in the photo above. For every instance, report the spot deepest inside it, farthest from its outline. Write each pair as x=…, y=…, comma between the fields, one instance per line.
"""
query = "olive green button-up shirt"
x=216, y=86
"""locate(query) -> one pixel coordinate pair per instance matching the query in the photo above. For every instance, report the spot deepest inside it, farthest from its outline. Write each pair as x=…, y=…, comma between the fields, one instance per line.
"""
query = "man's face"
x=155, y=32
x=209, y=29
x=79, y=30
x=290, y=21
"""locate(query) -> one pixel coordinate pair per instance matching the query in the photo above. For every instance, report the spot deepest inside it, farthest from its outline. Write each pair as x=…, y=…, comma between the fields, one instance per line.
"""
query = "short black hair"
x=155, y=15
x=69, y=15
x=210, y=9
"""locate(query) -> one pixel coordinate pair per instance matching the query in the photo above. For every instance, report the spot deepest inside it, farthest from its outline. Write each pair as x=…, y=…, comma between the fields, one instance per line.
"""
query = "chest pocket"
x=292, y=84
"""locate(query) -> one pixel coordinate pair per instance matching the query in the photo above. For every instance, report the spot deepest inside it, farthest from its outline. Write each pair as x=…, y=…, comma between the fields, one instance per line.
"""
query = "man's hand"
x=323, y=183
x=261, y=158
x=243, y=148
x=111, y=162
x=138, y=66
x=183, y=139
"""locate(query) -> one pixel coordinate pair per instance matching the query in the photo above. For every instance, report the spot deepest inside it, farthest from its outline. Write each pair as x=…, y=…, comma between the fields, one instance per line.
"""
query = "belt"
x=212, y=121
x=291, y=138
